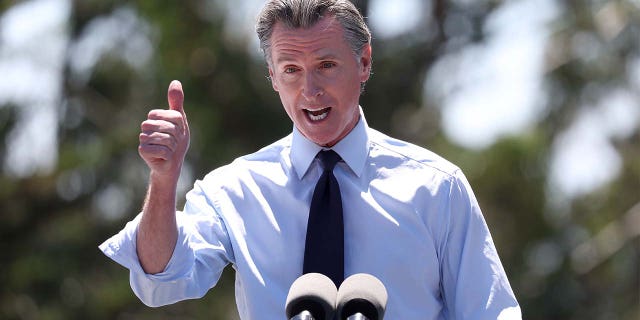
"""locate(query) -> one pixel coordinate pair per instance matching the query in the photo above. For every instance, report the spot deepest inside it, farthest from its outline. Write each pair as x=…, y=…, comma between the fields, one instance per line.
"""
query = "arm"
x=168, y=257
x=164, y=141
x=473, y=280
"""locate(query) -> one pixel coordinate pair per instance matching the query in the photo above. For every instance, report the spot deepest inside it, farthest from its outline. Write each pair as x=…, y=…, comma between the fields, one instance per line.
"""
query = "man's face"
x=318, y=78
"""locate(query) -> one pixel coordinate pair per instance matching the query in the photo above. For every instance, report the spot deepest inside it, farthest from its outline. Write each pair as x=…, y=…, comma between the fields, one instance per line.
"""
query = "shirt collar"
x=353, y=149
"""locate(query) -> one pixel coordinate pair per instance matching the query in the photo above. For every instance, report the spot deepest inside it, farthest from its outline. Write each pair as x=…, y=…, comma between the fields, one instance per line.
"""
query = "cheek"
x=286, y=98
x=287, y=103
x=349, y=92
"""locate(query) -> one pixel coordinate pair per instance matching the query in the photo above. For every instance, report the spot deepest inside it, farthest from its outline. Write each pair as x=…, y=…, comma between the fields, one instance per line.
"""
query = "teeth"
x=319, y=117
x=314, y=116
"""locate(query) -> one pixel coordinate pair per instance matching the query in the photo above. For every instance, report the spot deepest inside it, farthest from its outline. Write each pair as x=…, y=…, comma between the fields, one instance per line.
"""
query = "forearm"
x=164, y=140
x=157, y=231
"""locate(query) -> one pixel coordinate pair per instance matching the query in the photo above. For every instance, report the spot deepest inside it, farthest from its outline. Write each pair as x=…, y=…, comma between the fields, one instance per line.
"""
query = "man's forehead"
x=320, y=39
x=322, y=24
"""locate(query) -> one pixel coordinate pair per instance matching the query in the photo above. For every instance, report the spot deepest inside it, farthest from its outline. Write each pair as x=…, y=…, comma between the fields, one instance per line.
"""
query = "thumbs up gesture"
x=164, y=136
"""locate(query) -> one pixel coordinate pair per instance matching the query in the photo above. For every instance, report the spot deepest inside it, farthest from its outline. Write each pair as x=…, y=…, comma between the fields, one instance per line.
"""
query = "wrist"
x=163, y=182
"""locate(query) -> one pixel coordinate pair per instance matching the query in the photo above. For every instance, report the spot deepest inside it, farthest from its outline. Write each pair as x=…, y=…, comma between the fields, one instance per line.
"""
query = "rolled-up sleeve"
x=201, y=253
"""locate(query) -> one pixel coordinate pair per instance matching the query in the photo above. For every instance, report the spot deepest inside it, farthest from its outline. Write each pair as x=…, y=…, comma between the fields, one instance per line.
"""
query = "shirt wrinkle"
x=390, y=186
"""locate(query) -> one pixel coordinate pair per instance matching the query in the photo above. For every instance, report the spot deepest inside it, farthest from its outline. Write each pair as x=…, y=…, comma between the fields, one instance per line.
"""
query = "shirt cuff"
x=121, y=248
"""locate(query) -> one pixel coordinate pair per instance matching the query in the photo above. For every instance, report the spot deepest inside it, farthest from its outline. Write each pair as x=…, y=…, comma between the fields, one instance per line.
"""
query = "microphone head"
x=362, y=293
x=312, y=292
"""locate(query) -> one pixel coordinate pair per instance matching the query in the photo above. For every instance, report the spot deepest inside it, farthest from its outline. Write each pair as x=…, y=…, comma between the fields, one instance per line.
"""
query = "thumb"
x=176, y=96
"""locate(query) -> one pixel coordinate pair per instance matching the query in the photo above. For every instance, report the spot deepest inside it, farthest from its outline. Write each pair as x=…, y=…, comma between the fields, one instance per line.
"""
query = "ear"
x=365, y=63
x=273, y=80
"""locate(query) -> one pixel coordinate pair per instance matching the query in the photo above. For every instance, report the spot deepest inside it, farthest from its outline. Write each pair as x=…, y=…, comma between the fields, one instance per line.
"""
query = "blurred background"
x=538, y=101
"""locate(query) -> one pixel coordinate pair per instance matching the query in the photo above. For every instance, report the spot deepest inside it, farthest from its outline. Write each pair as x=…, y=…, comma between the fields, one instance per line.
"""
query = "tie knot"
x=329, y=158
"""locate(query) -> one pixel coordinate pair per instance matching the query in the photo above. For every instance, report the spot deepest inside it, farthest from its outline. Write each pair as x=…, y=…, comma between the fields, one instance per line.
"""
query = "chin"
x=325, y=142
x=328, y=143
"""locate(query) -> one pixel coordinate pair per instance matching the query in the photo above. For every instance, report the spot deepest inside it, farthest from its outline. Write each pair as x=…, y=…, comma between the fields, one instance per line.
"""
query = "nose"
x=311, y=88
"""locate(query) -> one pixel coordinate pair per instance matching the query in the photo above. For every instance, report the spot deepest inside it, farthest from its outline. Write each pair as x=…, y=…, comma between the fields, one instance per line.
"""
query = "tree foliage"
x=572, y=261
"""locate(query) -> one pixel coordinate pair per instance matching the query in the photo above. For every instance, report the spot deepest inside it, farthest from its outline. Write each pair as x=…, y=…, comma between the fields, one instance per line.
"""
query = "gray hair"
x=306, y=13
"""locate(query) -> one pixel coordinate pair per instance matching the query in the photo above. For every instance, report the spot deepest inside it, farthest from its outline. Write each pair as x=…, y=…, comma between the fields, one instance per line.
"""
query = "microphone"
x=361, y=297
x=311, y=297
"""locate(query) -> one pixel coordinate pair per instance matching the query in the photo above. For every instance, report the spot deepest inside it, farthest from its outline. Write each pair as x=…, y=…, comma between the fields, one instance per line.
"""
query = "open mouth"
x=318, y=114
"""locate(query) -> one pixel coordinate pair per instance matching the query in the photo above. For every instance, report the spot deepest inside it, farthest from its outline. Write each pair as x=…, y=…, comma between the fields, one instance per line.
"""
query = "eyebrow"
x=328, y=56
x=288, y=58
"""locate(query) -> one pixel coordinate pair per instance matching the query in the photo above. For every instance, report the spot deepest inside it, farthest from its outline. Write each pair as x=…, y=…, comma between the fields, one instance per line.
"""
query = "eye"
x=290, y=69
x=327, y=65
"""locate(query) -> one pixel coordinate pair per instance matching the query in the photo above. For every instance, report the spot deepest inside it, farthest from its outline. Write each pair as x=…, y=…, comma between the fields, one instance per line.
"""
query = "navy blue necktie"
x=324, y=247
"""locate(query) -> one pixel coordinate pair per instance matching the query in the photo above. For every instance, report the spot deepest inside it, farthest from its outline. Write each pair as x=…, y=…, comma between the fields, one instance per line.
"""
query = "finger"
x=159, y=126
x=171, y=116
x=158, y=139
x=154, y=152
x=176, y=96
x=164, y=114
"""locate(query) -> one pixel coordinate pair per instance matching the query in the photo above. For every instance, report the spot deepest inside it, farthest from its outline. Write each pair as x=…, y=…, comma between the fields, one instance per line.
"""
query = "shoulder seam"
x=449, y=174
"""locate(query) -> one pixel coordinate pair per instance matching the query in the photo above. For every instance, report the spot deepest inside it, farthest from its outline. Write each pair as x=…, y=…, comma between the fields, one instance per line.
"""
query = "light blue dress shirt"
x=410, y=219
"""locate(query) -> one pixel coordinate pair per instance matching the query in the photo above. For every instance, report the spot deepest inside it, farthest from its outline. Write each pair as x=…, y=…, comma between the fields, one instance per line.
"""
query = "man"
x=409, y=216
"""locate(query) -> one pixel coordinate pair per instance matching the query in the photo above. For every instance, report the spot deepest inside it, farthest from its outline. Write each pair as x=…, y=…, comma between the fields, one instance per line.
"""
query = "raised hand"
x=164, y=141
x=164, y=137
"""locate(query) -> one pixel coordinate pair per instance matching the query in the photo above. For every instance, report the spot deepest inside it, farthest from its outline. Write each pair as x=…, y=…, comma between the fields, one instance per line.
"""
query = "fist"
x=164, y=136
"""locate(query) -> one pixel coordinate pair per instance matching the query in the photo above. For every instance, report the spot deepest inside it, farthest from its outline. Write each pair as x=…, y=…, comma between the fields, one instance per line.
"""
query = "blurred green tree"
x=572, y=261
